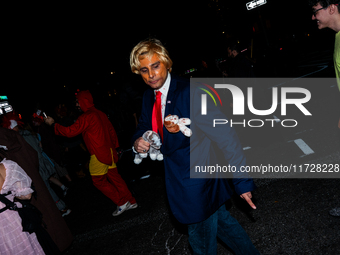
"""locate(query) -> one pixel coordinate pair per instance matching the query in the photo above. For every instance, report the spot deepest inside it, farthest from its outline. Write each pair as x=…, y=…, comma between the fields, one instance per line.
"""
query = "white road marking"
x=304, y=147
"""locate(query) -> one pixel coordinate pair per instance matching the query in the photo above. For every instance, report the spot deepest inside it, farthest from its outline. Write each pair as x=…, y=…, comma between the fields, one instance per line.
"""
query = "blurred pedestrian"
x=240, y=66
x=46, y=168
x=15, y=148
x=327, y=15
x=198, y=203
x=208, y=69
x=50, y=146
x=241, y=73
x=101, y=141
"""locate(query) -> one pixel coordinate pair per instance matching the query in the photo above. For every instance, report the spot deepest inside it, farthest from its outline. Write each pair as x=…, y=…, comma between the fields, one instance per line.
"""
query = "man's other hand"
x=247, y=196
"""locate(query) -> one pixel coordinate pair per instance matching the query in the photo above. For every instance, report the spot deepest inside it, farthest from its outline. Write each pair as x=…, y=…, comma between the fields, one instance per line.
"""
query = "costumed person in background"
x=14, y=182
x=101, y=141
x=14, y=147
x=50, y=147
x=46, y=168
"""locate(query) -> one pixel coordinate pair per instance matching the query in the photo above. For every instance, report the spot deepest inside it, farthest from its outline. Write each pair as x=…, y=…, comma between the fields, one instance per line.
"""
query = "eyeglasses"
x=314, y=12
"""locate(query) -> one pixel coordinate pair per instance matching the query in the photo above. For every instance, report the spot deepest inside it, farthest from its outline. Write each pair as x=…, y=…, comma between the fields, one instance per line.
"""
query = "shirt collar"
x=165, y=88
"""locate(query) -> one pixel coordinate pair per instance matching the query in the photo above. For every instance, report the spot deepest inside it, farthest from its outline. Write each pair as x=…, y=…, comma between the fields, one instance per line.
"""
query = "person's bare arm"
x=2, y=180
x=2, y=175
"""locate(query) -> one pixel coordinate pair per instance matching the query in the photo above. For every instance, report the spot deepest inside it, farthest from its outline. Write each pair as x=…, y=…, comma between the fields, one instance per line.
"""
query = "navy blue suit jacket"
x=192, y=200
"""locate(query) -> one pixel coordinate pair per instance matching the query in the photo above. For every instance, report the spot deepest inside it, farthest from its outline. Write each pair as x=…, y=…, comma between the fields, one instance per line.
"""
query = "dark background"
x=51, y=50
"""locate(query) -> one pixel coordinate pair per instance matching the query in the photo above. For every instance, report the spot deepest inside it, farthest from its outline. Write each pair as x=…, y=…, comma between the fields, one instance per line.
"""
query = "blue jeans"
x=202, y=235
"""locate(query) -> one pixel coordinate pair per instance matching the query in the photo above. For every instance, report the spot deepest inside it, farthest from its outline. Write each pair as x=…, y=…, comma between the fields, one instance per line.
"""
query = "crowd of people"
x=56, y=153
x=38, y=155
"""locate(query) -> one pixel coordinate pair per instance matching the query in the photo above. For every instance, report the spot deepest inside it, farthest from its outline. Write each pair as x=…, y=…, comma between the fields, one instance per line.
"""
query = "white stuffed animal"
x=174, y=124
x=155, y=144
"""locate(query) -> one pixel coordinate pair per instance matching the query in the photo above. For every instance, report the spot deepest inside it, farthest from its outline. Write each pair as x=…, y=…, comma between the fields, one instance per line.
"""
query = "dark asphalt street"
x=291, y=218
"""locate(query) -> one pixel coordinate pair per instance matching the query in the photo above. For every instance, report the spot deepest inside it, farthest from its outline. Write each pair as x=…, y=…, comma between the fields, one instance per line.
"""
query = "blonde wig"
x=148, y=48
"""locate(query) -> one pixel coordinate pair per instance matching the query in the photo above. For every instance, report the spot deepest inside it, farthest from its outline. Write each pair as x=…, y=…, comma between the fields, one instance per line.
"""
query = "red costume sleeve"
x=75, y=129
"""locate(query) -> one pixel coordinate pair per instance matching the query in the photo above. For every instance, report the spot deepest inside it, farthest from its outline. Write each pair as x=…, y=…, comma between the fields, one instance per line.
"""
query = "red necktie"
x=157, y=123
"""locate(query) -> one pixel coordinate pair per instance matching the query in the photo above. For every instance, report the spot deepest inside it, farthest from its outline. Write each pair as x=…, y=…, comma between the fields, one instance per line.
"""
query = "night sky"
x=61, y=44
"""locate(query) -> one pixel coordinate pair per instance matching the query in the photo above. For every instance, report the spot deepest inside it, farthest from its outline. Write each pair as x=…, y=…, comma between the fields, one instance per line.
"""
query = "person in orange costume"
x=101, y=141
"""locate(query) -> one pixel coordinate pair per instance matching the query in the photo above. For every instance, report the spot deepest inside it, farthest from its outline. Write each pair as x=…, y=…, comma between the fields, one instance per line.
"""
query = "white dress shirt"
x=164, y=90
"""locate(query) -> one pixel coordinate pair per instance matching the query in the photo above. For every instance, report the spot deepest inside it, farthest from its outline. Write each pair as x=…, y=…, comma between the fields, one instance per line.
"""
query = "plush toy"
x=155, y=144
x=173, y=124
